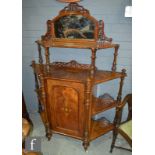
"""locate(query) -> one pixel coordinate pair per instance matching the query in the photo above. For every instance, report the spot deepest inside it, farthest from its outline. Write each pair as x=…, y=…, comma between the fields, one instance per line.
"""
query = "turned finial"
x=124, y=71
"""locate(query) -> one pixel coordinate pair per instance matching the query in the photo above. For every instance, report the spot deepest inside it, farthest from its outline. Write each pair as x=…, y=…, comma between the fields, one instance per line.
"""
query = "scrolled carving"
x=72, y=64
x=75, y=7
x=101, y=34
x=48, y=34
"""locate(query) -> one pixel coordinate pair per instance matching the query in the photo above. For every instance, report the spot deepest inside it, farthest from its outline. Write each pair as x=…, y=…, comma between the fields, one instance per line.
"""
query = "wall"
x=35, y=15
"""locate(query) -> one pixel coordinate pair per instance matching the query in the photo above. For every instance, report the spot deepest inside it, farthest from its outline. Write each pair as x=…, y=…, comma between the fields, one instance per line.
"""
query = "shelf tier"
x=77, y=43
x=100, y=127
x=103, y=103
x=77, y=75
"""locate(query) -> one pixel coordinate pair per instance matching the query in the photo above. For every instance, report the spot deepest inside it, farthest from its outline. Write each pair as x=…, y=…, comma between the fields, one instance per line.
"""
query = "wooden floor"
x=61, y=145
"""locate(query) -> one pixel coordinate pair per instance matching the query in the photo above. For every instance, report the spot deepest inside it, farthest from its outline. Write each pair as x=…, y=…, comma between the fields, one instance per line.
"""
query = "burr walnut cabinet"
x=65, y=90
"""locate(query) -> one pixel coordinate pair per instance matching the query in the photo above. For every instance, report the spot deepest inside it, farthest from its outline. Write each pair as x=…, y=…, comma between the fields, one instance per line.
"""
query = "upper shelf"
x=78, y=43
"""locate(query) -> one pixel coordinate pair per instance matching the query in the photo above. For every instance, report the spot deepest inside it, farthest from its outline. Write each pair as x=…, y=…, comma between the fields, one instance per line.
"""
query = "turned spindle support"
x=86, y=140
x=39, y=53
x=115, y=58
x=93, y=60
x=40, y=107
x=47, y=57
x=118, y=115
x=46, y=112
x=119, y=97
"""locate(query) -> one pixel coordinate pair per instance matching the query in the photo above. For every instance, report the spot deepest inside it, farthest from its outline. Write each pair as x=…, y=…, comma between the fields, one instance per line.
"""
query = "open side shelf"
x=100, y=127
x=103, y=103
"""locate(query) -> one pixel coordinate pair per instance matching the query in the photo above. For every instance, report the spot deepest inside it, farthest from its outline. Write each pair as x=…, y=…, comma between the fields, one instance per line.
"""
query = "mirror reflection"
x=74, y=27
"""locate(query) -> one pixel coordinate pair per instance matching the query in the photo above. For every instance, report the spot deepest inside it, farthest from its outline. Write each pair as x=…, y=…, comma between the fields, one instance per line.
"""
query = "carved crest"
x=75, y=7
x=72, y=65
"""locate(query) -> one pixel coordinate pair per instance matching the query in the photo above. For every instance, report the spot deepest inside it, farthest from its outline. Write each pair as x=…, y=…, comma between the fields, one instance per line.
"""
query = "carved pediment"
x=71, y=65
x=74, y=7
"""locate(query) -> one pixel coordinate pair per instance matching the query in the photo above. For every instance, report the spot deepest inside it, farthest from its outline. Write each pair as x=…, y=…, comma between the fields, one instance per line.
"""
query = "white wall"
x=35, y=15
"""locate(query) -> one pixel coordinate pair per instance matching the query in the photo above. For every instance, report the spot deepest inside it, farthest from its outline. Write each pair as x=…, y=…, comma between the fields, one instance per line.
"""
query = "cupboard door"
x=66, y=102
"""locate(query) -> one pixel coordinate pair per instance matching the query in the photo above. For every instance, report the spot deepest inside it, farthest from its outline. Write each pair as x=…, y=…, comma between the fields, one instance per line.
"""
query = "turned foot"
x=113, y=141
x=85, y=145
x=48, y=133
x=111, y=149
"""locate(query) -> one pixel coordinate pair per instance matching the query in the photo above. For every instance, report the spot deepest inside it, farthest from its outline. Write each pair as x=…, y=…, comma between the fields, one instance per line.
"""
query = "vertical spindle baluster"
x=93, y=60
x=45, y=115
x=40, y=54
x=119, y=97
x=87, y=108
x=115, y=58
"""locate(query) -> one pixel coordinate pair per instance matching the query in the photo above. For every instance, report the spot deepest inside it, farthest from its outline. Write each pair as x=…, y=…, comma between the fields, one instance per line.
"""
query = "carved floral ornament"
x=71, y=64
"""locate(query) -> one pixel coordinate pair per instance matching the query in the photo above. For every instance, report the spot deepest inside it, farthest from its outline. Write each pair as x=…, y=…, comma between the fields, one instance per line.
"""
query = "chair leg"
x=115, y=133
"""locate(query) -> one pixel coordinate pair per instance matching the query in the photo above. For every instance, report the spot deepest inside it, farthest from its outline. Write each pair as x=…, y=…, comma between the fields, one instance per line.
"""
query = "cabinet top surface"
x=77, y=75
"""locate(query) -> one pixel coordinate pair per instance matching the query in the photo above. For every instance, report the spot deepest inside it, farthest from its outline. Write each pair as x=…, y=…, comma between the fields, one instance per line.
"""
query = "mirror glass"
x=74, y=27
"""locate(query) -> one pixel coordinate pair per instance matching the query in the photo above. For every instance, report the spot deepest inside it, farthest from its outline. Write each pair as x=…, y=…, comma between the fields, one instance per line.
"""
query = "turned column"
x=118, y=114
x=93, y=60
x=45, y=114
x=47, y=57
x=87, y=111
x=119, y=97
x=115, y=58
x=39, y=53
x=40, y=106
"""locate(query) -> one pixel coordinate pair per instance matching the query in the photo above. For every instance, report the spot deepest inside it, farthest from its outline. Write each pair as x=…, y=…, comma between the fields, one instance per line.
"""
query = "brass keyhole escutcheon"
x=67, y=110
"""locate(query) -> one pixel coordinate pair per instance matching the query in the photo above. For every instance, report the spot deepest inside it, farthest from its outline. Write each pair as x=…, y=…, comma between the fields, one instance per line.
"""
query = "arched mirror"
x=74, y=27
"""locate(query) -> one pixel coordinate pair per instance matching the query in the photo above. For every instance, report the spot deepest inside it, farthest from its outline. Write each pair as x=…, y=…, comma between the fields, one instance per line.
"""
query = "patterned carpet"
x=62, y=145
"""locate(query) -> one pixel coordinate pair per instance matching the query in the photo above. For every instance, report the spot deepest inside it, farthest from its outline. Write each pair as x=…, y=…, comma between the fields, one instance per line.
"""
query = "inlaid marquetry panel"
x=66, y=106
x=66, y=103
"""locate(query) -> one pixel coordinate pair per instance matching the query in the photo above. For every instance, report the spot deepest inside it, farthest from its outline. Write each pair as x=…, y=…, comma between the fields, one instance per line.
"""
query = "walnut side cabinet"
x=65, y=90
